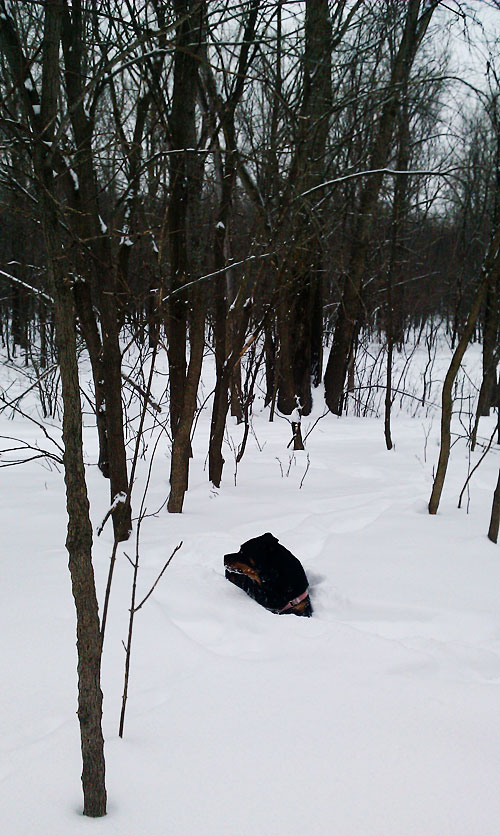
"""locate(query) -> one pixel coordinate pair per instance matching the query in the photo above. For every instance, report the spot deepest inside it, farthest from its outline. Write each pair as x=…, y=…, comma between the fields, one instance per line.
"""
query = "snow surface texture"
x=379, y=716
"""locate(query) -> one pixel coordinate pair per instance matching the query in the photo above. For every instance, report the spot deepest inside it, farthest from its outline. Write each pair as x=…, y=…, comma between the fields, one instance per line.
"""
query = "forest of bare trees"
x=265, y=184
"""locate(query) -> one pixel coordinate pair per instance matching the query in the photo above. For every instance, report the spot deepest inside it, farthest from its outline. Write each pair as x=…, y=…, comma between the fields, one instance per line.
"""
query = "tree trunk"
x=398, y=219
x=270, y=361
x=388, y=394
x=495, y=514
x=295, y=330
x=221, y=400
x=490, y=339
x=349, y=309
x=79, y=544
x=491, y=265
x=181, y=447
x=183, y=130
x=224, y=326
x=100, y=266
x=298, y=443
x=301, y=309
x=79, y=534
x=185, y=222
x=487, y=394
x=90, y=333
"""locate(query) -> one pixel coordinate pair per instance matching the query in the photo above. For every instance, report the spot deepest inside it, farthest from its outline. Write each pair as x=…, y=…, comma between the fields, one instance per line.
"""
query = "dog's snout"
x=230, y=559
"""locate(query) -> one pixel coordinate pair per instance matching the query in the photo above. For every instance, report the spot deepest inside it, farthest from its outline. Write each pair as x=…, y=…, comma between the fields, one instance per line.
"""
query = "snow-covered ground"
x=379, y=716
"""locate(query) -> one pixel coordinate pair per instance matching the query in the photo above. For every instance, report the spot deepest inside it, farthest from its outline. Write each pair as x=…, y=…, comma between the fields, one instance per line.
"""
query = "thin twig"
x=305, y=472
x=167, y=564
x=22, y=395
x=469, y=477
x=308, y=433
x=147, y=397
x=34, y=421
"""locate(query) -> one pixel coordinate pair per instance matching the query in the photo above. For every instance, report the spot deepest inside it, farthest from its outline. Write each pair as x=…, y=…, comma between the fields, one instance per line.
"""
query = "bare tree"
x=416, y=20
x=227, y=346
x=43, y=123
x=491, y=268
x=184, y=221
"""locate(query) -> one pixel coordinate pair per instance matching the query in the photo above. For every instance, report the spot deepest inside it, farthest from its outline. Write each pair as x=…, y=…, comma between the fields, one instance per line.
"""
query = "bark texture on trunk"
x=79, y=544
x=186, y=306
x=396, y=255
x=184, y=188
x=79, y=532
x=495, y=514
x=221, y=402
x=227, y=328
x=487, y=393
x=181, y=448
x=300, y=310
x=101, y=270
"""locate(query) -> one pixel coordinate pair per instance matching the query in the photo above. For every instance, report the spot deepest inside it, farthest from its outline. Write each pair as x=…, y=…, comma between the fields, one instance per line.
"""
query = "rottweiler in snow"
x=271, y=575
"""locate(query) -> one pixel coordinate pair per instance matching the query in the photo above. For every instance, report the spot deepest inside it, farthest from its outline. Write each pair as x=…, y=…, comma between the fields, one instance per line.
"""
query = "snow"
x=378, y=716
x=74, y=178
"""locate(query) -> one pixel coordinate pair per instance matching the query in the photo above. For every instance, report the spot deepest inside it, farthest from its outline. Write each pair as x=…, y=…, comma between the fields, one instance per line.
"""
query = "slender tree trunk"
x=388, y=394
x=398, y=219
x=221, y=402
x=491, y=265
x=42, y=319
x=181, y=447
x=490, y=339
x=270, y=360
x=79, y=546
x=185, y=221
x=235, y=384
x=495, y=514
x=295, y=328
x=221, y=330
x=301, y=308
x=183, y=131
x=90, y=333
x=79, y=534
x=224, y=325
x=219, y=413
x=487, y=393
x=112, y=365
x=298, y=443
x=100, y=265
x=349, y=309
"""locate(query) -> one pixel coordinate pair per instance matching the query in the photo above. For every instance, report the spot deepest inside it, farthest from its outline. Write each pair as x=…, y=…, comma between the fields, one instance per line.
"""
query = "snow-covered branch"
x=390, y=171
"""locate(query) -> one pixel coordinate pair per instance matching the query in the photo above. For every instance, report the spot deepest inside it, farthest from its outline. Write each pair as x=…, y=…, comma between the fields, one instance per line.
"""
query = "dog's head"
x=236, y=564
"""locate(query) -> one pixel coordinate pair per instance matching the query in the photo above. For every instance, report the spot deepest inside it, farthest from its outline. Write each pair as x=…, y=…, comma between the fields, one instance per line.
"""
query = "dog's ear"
x=269, y=538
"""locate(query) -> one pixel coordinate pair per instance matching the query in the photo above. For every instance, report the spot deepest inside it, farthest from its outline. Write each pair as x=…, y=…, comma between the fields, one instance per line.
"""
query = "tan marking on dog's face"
x=245, y=570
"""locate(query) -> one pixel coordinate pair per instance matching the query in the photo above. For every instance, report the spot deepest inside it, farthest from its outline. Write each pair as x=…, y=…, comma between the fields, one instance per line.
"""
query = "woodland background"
x=269, y=189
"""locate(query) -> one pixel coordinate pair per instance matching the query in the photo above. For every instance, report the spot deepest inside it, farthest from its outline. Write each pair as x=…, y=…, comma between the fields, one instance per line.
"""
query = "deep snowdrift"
x=379, y=716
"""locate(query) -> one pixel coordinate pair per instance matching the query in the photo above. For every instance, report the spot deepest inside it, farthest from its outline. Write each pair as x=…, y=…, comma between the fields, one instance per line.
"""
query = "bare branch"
x=167, y=564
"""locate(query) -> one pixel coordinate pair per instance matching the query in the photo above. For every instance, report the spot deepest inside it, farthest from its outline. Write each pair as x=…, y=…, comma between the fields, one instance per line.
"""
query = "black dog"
x=271, y=575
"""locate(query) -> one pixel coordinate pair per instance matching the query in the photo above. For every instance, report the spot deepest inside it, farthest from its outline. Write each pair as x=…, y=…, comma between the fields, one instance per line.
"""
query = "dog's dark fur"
x=270, y=574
